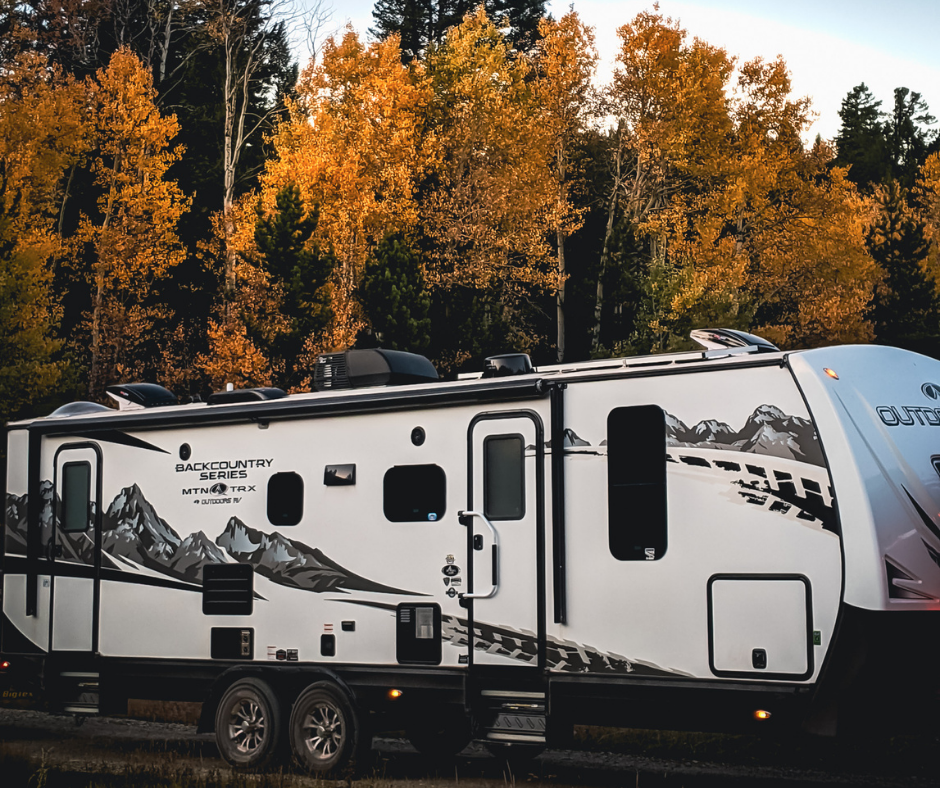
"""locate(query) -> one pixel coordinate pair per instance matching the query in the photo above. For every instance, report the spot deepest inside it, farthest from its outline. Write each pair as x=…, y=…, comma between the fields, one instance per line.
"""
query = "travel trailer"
x=728, y=539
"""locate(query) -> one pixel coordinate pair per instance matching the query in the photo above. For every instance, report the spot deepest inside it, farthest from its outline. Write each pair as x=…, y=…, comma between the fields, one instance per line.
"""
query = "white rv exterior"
x=673, y=541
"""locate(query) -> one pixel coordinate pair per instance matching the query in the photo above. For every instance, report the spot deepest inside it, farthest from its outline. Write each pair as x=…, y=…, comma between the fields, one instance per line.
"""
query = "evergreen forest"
x=182, y=202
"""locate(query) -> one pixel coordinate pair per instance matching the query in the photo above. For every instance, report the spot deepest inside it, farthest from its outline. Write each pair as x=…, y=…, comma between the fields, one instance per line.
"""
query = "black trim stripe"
x=119, y=576
x=121, y=438
x=926, y=518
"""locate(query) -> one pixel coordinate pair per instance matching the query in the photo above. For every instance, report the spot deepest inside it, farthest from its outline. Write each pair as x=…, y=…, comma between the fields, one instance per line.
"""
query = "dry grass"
x=164, y=711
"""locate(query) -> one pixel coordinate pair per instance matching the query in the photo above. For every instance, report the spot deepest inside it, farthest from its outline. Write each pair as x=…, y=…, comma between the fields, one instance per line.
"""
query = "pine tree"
x=394, y=297
x=861, y=142
x=905, y=310
x=421, y=23
x=907, y=138
x=303, y=272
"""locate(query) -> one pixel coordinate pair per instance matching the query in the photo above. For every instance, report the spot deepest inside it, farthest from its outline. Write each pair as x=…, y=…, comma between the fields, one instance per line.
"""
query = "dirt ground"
x=46, y=751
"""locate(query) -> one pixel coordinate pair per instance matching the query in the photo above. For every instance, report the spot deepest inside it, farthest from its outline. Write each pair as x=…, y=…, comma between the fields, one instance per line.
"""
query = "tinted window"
x=76, y=496
x=414, y=493
x=504, y=477
x=636, y=483
x=285, y=499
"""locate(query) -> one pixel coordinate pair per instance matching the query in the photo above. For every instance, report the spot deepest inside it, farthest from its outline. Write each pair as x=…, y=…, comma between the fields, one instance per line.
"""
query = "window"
x=414, y=493
x=636, y=483
x=504, y=477
x=76, y=496
x=285, y=499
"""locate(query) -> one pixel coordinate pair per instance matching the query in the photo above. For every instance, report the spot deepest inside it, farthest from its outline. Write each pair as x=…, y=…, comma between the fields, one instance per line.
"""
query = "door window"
x=76, y=496
x=504, y=477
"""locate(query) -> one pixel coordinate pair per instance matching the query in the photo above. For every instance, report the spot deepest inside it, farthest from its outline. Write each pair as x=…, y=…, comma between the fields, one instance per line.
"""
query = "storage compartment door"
x=760, y=626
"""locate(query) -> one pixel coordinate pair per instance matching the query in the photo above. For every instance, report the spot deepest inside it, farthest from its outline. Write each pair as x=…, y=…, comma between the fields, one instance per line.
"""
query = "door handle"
x=465, y=516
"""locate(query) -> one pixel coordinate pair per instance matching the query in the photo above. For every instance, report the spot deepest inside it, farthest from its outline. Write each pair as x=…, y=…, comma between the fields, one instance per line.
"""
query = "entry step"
x=513, y=716
x=79, y=692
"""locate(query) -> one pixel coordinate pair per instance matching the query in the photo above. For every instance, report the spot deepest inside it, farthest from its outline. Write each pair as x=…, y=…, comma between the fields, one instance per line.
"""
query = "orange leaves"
x=493, y=195
x=132, y=236
x=744, y=226
x=233, y=357
x=354, y=145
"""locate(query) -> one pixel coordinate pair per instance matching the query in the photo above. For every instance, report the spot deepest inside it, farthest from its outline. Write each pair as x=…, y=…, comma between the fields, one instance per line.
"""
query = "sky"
x=830, y=46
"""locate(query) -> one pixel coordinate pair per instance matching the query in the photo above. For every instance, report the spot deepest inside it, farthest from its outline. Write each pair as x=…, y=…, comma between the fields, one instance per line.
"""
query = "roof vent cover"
x=245, y=395
x=507, y=364
x=372, y=367
x=135, y=396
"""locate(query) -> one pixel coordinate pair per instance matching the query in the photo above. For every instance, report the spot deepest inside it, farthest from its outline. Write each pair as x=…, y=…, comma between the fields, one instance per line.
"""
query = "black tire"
x=441, y=736
x=325, y=732
x=249, y=725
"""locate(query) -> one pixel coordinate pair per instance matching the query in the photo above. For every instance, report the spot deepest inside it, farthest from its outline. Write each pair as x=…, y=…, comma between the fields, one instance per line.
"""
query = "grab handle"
x=465, y=519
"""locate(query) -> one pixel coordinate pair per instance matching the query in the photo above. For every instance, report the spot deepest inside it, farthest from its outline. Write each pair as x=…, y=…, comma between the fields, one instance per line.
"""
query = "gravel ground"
x=38, y=748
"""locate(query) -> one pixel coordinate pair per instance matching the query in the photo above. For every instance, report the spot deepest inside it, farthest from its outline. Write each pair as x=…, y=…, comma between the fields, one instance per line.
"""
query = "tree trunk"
x=97, y=373
x=605, y=253
x=228, y=163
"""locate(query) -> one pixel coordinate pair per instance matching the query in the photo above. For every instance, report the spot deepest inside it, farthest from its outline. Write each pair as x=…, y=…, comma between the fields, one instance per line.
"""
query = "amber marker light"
x=760, y=714
x=394, y=694
x=830, y=373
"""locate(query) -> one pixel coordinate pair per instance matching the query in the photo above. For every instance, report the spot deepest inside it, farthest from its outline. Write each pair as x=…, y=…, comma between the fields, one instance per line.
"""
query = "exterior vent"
x=330, y=372
x=373, y=367
x=245, y=395
x=722, y=338
x=507, y=364
x=227, y=589
x=136, y=396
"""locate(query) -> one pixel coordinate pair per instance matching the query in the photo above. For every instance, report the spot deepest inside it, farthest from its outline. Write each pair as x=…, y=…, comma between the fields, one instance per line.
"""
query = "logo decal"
x=218, y=488
x=931, y=390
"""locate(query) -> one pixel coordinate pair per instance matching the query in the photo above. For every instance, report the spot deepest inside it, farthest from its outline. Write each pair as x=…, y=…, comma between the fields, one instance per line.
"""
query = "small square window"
x=414, y=493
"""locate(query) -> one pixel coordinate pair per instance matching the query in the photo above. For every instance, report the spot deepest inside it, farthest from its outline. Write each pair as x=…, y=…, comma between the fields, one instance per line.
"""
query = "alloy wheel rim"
x=246, y=727
x=323, y=731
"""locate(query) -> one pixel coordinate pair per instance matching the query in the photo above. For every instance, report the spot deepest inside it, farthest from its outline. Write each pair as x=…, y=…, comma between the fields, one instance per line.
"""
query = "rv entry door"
x=73, y=548
x=504, y=519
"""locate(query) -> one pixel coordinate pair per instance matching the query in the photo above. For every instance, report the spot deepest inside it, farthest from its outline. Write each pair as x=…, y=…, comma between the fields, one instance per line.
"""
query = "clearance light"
x=4, y=665
x=830, y=373
x=760, y=714
x=394, y=694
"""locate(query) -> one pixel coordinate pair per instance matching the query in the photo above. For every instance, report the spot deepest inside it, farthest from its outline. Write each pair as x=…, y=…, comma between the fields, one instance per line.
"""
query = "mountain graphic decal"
x=768, y=430
x=133, y=533
x=75, y=547
x=292, y=563
x=132, y=529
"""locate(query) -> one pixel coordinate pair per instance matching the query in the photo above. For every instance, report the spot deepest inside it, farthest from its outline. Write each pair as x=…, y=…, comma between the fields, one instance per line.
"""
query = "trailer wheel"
x=325, y=733
x=248, y=724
